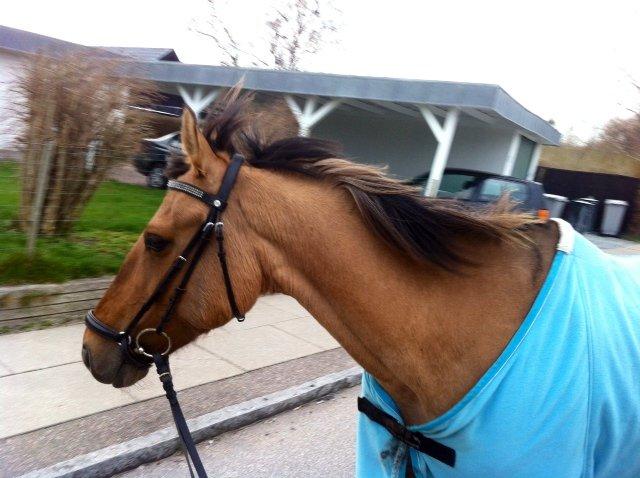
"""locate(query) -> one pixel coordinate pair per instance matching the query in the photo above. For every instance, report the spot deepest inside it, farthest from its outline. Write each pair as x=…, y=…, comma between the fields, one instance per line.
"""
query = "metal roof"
x=485, y=101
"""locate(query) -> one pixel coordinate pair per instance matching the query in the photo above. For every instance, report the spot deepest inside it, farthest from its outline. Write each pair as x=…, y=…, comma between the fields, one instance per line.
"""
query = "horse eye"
x=154, y=242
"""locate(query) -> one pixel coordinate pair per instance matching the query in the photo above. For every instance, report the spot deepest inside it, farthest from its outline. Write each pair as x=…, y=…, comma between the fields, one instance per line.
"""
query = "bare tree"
x=75, y=109
x=295, y=30
x=621, y=134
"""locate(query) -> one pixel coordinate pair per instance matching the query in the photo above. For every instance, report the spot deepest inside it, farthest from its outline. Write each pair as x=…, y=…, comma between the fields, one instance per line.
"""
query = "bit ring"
x=141, y=350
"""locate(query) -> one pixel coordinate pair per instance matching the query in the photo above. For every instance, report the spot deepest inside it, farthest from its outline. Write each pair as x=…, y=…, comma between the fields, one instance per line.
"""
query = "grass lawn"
x=108, y=227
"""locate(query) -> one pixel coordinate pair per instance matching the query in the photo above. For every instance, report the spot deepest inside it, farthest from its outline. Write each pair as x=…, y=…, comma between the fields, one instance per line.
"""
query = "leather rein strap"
x=130, y=347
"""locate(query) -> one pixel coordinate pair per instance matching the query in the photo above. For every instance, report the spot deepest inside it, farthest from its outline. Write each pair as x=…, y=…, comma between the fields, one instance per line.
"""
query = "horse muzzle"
x=112, y=361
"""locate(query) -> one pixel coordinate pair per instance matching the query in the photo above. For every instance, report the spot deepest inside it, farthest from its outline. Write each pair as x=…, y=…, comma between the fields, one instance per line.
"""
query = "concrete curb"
x=162, y=443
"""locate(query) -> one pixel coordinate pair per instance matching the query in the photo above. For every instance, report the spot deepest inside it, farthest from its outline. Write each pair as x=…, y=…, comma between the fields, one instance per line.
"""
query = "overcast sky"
x=571, y=61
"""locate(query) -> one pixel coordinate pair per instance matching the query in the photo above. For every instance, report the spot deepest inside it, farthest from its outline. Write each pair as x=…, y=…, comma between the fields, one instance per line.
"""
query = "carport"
x=412, y=126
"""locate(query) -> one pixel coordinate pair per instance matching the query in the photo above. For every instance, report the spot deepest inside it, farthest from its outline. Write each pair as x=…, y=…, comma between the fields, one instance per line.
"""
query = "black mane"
x=423, y=228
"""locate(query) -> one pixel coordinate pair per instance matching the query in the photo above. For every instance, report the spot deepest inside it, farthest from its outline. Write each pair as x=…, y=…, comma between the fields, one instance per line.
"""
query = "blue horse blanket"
x=563, y=398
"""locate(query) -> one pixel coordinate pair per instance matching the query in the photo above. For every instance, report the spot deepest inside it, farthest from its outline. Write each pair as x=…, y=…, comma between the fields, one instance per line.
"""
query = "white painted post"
x=444, y=136
x=310, y=106
x=297, y=112
x=310, y=116
x=535, y=159
x=197, y=101
x=321, y=112
x=209, y=98
x=512, y=154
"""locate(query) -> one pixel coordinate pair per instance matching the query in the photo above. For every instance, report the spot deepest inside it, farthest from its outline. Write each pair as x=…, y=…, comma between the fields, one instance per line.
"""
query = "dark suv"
x=154, y=157
x=483, y=188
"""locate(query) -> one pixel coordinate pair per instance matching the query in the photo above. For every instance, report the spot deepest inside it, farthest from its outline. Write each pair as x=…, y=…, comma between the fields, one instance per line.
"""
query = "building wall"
x=480, y=148
x=407, y=145
x=10, y=64
x=404, y=144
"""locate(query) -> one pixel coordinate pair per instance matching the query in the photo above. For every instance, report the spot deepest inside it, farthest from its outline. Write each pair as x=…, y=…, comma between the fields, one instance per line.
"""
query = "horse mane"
x=425, y=229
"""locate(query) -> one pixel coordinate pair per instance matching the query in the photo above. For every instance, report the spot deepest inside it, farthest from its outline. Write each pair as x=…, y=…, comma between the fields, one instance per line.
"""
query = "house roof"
x=486, y=102
x=28, y=42
x=144, y=54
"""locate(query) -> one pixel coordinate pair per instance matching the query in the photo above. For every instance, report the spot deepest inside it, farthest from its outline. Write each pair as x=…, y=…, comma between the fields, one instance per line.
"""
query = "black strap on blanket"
x=188, y=446
x=415, y=440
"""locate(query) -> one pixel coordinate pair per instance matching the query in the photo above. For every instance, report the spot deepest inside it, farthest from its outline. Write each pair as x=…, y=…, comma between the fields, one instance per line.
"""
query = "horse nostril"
x=86, y=356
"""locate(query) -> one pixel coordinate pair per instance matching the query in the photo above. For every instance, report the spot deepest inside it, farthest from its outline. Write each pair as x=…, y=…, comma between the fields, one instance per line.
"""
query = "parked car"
x=484, y=188
x=154, y=157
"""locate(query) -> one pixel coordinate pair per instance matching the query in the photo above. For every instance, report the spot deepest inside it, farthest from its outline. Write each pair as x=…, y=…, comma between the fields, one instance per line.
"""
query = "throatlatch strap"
x=415, y=440
x=164, y=372
x=222, y=257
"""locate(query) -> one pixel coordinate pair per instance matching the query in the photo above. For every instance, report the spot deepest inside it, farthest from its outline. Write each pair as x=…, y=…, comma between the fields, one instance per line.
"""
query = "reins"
x=131, y=348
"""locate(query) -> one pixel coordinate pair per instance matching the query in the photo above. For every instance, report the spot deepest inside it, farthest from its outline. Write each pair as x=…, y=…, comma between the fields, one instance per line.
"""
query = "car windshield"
x=493, y=188
x=457, y=185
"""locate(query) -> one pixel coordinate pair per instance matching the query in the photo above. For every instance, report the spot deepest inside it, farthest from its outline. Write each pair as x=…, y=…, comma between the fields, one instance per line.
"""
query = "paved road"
x=316, y=440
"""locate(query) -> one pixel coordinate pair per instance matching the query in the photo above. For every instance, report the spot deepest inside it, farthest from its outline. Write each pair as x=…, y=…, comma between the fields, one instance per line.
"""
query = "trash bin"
x=612, y=217
x=555, y=204
x=582, y=214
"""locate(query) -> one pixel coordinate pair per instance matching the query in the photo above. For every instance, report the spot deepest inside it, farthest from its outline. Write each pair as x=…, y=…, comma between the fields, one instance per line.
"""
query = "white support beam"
x=309, y=115
x=321, y=112
x=512, y=154
x=444, y=135
x=297, y=112
x=432, y=121
x=209, y=98
x=198, y=99
x=293, y=105
x=533, y=165
x=310, y=106
x=186, y=97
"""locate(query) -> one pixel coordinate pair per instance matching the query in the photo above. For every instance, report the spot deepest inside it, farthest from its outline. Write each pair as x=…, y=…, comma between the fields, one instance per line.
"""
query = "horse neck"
x=426, y=335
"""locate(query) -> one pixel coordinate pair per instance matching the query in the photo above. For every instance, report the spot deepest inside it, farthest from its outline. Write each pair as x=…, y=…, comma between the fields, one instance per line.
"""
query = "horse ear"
x=190, y=138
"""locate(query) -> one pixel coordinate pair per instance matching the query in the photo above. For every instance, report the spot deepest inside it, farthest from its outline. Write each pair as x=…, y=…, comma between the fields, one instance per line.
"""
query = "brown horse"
x=423, y=293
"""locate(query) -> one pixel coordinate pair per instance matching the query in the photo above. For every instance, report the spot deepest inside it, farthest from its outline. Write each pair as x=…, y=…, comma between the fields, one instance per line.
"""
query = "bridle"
x=131, y=348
